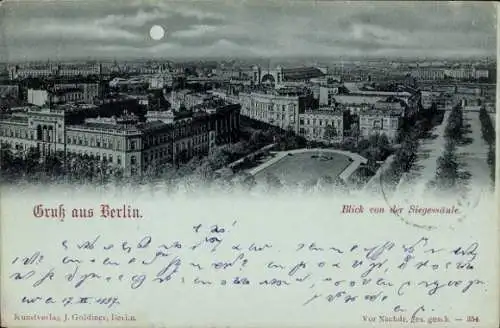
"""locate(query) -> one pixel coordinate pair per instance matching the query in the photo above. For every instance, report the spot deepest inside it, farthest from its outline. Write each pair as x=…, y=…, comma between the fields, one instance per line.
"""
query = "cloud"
x=191, y=11
x=200, y=15
x=195, y=31
x=378, y=35
x=139, y=19
x=207, y=28
x=70, y=30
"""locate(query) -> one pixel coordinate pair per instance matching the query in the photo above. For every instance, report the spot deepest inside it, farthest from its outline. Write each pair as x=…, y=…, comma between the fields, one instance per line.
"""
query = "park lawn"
x=302, y=167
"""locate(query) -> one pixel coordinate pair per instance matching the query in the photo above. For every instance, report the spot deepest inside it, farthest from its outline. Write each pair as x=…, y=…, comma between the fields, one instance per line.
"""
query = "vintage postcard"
x=256, y=163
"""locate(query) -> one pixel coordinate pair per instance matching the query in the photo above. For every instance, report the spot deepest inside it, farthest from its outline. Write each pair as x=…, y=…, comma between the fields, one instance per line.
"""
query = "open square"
x=300, y=167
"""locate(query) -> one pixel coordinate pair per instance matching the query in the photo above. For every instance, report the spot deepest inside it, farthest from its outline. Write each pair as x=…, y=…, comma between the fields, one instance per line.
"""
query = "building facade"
x=324, y=125
x=124, y=142
x=50, y=70
x=38, y=97
x=373, y=122
x=63, y=93
x=281, y=74
x=327, y=94
x=280, y=109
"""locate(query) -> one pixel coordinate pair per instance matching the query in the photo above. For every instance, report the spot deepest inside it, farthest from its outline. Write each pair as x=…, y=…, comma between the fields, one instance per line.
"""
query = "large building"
x=358, y=99
x=51, y=70
x=123, y=142
x=386, y=122
x=79, y=70
x=38, y=71
x=187, y=98
x=323, y=124
x=428, y=98
x=353, y=103
x=442, y=73
x=280, y=108
x=428, y=73
x=159, y=81
x=61, y=93
x=281, y=75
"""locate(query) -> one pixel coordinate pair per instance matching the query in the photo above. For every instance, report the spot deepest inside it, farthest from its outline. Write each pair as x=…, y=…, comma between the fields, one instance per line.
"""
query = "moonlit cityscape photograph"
x=260, y=95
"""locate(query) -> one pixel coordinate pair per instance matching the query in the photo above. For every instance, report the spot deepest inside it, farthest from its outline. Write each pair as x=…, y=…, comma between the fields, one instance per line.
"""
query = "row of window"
x=85, y=141
x=320, y=122
x=73, y=96
x=156, y=140
x=187, y=131
x=268, y=106
x=318, y=133
x=94, y=142
x=45, y=150
x=393, y=124
x=14, y=133
x=157, y=154
x=104, y=157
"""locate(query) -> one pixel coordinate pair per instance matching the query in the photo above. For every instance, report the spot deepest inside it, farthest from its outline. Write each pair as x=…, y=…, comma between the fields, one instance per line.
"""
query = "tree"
x=454, y=129
x=492, y=172
x=32, y=160
x=349, y=145
x=204, y=172
x=288, y=142
x=393, y=174
x=447, y=171
x=6, y=157
x=363, y=144
x=376, y=148
x=491, y=161
x=218, y=158
x=491, y=156
x=117, y=176
x=354, y=131
x=487, y=128
x=182, y=157
x=257, y=138
x=53, y=165
x=330, y=132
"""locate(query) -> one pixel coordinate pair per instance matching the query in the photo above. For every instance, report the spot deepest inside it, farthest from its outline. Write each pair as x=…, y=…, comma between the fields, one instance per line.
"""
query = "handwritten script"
x=212, y=258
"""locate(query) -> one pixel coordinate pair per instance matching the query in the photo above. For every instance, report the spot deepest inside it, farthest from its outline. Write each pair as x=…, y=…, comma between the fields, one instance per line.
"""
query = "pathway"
x=424, y=168
x=474, y=155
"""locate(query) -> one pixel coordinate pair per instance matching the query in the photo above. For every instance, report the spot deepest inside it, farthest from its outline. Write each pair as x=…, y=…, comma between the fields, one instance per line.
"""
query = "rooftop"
x=107, y=126
x=14, y=119
x=323, y=112
x=301, y=73
x=355, y=99
x=62, y=91
x=153, y=125
x=382, y=93
x=371, y=112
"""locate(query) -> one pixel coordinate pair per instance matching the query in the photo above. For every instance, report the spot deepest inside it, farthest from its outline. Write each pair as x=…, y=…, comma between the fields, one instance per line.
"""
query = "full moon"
x=157, y=32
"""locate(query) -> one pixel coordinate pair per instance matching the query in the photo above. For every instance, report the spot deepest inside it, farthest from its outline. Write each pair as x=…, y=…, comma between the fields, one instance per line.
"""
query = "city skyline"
x=60, y=30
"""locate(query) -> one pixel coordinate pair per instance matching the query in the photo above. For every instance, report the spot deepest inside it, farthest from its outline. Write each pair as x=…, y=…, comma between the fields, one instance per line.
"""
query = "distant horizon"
x=241, y=58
